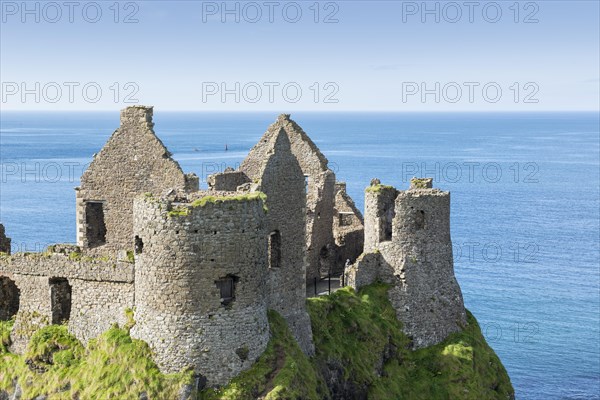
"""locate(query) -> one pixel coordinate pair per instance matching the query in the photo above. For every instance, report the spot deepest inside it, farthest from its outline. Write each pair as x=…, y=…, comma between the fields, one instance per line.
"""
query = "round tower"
x=200, y=282
x=427, y=299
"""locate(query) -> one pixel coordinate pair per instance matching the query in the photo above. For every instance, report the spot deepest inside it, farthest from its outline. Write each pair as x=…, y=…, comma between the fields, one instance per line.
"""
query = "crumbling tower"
x=408, y=245
x=201, y=281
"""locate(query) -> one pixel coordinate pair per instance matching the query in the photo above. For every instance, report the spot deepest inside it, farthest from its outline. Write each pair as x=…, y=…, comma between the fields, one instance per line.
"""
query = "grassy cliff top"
x=361, y=352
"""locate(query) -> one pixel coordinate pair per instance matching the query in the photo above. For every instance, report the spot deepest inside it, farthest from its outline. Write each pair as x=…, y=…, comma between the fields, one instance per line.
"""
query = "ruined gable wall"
x=320, y=191
x=179, y=312
x=282, y=180
x=132, y=162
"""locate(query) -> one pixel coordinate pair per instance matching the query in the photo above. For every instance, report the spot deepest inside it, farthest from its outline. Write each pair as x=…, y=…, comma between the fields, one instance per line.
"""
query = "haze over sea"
x=525, y=208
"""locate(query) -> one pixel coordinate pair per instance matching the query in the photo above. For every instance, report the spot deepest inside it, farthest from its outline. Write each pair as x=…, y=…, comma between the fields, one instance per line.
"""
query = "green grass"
x=217, y=199
x=378, y=188
x=419, y=183
x=112, y=366
x=281, y=372
x=202, y=202
x=5, y=328
x=353, y=330
x=357, y=338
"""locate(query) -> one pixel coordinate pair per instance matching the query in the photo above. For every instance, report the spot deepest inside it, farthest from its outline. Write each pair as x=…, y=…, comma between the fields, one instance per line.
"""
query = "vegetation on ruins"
x=359, y=347
x=183, y=210
x=378, y=188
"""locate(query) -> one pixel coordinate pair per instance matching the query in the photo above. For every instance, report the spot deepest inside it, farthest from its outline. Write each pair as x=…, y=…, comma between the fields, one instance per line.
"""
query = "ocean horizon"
x=525, y=219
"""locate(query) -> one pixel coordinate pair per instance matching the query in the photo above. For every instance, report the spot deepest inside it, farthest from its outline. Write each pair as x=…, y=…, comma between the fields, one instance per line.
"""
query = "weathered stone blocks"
x=408, y=245
x=201, y=290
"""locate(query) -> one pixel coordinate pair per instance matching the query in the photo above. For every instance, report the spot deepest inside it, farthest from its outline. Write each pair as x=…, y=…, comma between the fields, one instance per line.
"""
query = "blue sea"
x=525, y=208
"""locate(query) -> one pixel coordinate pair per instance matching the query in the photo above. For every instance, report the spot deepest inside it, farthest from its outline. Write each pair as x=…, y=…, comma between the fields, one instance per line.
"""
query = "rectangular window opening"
x=227, y=289
x=95, y=226
x=274, y=249
x=60, y=300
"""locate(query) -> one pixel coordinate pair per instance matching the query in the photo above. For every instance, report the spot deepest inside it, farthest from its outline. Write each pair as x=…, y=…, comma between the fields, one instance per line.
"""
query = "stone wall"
x=100, y=291
x=282, y=180
x=98, y=305
x=228, y=180
x=133, y=161
x=416, y=259
x=379, y=214
x=319, y=190
x=348, y=229
x=4, y=241
x=188, y=254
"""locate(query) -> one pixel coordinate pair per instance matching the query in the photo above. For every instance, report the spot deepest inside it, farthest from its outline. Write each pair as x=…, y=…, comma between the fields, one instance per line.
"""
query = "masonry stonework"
x=201, y=283
x=200, y=269
x=282, y=180
x=408, y=245
x=133, y=161
x=348, y=230
x=100, y=292
x=320, y=190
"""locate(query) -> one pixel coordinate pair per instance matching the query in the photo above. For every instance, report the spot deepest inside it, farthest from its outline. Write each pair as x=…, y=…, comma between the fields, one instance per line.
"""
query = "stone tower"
x=133, y=161
x=408, y=245
x=201, y=289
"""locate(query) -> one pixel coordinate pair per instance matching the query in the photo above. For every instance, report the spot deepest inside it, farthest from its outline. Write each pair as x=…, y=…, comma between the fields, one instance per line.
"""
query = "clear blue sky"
x=369, y=57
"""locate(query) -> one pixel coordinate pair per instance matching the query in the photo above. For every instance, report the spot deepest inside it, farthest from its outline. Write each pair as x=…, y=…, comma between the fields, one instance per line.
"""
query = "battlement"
x=181, y=204
x=201, y=266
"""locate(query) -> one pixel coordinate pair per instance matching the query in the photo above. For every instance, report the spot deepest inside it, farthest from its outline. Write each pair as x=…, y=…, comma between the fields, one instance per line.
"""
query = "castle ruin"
x=200, y=269
x=408, y=245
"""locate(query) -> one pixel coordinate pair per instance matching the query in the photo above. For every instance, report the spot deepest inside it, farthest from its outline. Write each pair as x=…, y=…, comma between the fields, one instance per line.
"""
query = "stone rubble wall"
x=379, y=206
x=227, y=180
x=348, y=228
x=179, y=312
x=428, y=300
x=101, y=291
x=34, y=308
x=133, y=161
x=96, y=306
x=59, y=265
x=320, y=190
x=282, y=180
x=417, y=260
